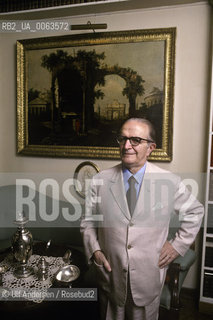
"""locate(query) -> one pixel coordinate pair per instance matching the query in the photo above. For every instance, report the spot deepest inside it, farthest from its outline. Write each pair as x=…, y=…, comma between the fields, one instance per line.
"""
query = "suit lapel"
x=118, y=192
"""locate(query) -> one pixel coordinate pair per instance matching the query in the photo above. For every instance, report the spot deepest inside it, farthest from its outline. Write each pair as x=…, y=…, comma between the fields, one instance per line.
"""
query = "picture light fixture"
x=88, y=26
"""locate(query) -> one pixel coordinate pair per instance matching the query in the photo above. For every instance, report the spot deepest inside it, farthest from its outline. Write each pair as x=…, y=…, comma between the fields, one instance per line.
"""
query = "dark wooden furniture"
x=172, y=280
x=170, y=302
x=51, y=309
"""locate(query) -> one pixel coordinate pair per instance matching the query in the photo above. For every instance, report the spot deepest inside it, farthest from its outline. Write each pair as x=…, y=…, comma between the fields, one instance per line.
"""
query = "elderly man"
x=125, y=228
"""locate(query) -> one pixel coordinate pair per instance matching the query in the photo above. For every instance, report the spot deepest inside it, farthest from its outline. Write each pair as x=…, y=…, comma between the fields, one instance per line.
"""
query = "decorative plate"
x=84, y=172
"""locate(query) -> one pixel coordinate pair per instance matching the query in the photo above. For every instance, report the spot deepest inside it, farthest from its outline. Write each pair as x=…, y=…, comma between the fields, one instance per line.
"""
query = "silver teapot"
x=22, y=244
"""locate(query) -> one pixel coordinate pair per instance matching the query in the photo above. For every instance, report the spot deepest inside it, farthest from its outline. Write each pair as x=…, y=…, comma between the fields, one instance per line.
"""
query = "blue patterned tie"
x=131, y=195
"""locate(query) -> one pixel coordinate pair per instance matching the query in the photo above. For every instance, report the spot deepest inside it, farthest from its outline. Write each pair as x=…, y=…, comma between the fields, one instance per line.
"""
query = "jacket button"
x=124, y=270
x=131, y=224
x=129, y=246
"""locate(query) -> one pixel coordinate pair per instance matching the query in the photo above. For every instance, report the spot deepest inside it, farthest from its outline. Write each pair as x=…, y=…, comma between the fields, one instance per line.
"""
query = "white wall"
x=191, y=90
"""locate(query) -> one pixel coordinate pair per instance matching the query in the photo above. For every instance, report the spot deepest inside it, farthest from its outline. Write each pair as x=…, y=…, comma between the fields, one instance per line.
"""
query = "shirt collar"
x=138, y=175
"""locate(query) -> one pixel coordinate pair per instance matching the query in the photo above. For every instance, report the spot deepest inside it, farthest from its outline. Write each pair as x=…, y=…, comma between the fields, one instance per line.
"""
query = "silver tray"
x=68, y=273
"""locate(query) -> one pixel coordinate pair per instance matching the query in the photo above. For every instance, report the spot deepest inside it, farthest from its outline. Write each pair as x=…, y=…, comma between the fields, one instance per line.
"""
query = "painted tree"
x=133, y=88
x=55, y=62
x=86, y=68
x=89, y=65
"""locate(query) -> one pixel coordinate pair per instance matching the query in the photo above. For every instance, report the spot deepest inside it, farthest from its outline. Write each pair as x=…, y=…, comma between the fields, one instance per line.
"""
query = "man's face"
x=135, y=157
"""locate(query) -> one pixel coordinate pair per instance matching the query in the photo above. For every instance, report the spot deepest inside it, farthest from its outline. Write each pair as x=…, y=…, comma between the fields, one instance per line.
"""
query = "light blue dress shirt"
x=138, y=177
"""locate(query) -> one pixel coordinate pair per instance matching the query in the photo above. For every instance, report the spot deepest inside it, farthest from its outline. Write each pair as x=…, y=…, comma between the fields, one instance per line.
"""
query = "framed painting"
x=74, y=92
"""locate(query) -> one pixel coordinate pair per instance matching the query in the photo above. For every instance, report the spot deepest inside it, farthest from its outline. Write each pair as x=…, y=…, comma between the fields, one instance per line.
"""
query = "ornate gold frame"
x=23, y=46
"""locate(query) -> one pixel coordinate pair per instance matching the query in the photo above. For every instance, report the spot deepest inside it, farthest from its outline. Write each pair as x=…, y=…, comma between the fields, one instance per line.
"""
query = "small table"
x=53, y=309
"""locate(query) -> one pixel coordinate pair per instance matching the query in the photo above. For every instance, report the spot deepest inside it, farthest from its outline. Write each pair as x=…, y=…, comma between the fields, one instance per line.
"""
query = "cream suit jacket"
x=133, y=244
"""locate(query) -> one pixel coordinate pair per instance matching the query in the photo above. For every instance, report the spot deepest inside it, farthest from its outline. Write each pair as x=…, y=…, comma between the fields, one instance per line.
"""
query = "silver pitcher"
x=22, y=244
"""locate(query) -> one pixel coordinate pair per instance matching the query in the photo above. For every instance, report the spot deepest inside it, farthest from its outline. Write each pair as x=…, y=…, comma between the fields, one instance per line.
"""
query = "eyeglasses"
x=135, y=141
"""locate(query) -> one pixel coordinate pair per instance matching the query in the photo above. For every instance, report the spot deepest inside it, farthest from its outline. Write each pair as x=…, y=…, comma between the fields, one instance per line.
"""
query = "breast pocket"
x=161, y=213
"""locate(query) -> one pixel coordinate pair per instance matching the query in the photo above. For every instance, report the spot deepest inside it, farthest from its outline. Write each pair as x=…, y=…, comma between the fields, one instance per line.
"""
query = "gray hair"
x=152, y=135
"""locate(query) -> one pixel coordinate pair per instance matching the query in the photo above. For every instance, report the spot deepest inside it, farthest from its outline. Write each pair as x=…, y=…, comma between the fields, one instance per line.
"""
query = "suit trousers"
x=110, y=311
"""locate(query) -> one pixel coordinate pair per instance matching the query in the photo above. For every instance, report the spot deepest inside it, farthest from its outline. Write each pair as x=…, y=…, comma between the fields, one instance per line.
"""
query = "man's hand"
x=100, y=259
x=167, y=255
